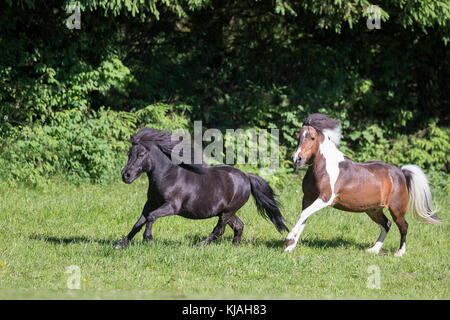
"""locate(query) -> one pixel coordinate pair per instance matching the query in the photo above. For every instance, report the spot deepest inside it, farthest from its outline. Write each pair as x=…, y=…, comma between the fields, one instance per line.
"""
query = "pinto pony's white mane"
x=330, y=128
x=334, y=135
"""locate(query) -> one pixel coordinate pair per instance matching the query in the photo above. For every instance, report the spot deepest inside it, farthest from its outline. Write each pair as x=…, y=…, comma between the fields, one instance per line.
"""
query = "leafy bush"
x=79, y=144
x=236, y=64
x=427, y=148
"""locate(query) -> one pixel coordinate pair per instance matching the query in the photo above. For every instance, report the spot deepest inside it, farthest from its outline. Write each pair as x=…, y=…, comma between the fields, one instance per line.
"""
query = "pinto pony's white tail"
x=420, y=194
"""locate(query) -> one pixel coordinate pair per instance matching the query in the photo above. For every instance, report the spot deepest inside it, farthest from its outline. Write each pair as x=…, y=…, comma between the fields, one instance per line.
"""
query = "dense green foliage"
x=81, y=145
x=70, y=98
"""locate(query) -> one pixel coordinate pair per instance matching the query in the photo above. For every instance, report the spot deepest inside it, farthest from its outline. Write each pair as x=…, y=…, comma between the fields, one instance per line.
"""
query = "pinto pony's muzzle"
x=298, y=161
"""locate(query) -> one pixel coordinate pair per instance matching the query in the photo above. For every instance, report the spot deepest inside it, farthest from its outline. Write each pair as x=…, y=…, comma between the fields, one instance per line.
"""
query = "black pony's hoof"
x=121, y=245
x=147, y=240
x=201, y=244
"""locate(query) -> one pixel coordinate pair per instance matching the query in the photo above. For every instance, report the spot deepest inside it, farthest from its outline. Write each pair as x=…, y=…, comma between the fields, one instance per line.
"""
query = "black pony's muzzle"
x=128, y=176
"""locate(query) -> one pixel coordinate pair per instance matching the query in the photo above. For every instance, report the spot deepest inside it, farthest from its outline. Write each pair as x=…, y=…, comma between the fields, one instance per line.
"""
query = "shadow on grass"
x=194, y=239
x=312, y=243
x=111, y=242
x=72, y=240
x=333, y=243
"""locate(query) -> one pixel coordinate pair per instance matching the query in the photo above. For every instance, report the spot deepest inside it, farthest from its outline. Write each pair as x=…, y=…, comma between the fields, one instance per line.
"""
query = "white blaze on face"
x=295, y=158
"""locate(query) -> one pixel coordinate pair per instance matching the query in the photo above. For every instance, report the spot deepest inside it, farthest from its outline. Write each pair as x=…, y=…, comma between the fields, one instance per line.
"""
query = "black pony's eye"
x=140, y=155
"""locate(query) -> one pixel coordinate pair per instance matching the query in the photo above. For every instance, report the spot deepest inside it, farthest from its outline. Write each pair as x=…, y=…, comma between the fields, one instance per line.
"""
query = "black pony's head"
x=138, y=161
x=144, y=145
x=139, y=155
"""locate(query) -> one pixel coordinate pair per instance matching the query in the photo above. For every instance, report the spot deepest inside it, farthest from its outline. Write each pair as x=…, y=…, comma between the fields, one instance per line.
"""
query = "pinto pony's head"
x=316, y=128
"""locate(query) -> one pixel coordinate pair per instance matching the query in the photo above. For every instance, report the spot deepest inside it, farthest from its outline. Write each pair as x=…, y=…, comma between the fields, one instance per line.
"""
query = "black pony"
x=192, y=191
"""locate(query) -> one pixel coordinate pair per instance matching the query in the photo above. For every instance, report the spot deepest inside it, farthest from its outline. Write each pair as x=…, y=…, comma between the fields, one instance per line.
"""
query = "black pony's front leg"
x=164, y=210
x=137, y=226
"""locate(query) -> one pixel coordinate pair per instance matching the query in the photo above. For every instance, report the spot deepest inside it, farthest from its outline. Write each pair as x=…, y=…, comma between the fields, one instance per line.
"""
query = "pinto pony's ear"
x=327, y=126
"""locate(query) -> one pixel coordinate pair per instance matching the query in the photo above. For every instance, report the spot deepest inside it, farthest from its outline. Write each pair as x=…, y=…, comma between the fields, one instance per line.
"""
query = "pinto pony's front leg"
x=294, y=235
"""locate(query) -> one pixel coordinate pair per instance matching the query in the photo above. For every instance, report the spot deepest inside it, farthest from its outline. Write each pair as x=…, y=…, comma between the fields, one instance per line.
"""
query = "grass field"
x=43, y=232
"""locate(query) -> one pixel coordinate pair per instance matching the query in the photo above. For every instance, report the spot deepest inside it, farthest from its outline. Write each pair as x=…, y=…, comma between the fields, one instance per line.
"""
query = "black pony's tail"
x=265, y=202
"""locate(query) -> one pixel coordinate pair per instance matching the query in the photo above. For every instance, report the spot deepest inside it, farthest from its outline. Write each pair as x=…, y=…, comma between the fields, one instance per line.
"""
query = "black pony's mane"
x=163, y=140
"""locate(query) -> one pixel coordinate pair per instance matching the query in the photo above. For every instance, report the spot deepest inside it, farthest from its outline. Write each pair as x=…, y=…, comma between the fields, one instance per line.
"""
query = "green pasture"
x=43, y=232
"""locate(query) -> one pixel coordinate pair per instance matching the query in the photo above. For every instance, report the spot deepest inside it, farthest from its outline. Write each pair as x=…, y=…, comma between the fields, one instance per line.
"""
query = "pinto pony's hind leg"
x=398, y=209
x=399, y=219
x=377, y=216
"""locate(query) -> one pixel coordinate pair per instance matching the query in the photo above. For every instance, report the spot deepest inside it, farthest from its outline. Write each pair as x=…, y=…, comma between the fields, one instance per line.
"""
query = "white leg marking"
x=377, y=247
x=301, y=223
x=401, y=251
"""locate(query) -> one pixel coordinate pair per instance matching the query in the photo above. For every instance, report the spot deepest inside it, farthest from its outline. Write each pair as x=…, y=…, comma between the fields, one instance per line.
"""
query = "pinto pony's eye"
x=312, y=138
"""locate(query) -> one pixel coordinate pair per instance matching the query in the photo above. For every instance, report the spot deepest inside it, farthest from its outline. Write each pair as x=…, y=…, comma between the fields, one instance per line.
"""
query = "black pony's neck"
x=160, y=165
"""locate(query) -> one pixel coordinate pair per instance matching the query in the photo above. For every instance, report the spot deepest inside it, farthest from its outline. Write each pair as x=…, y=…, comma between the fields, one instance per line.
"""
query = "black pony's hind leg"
x=217, y=232
x=237, y=225
x=148, y=237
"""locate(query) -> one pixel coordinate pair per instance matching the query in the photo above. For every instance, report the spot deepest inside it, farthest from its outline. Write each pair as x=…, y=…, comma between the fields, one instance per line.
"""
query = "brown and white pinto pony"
x=332, y=179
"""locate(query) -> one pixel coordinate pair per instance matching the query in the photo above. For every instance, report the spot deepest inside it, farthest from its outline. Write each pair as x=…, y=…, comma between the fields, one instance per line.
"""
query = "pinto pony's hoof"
x=399, y=254
x=289, y=249
x=289, y=244
x=373, y=250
